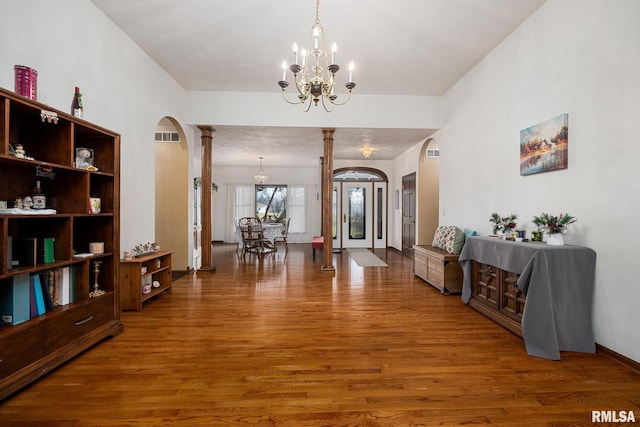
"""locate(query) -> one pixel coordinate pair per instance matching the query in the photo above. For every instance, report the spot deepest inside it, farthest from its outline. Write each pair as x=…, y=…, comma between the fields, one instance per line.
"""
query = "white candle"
x=284, y=70
x=334, y=49
x=295, y=53
x=304, y=57
x=351, y=72
x=315, y=37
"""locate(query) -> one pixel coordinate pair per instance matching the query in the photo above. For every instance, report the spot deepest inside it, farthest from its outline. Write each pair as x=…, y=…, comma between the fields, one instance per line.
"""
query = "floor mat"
x=365, y=258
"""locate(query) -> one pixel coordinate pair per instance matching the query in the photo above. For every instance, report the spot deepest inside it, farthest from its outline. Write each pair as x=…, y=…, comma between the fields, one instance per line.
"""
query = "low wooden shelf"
x=157, y=268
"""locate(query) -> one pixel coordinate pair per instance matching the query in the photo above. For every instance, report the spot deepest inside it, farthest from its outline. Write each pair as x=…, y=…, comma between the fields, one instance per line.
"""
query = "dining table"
x=271, y=231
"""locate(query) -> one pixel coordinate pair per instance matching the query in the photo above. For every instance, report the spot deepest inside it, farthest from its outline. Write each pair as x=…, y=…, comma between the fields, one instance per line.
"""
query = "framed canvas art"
x=544, y=147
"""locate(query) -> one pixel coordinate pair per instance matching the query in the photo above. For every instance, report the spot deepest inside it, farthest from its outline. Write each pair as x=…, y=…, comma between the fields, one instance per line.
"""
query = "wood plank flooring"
x=275, y=342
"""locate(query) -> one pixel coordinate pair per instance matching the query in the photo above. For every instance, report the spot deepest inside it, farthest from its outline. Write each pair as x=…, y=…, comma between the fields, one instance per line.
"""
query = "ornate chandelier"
x=260, y=177
x=314, y=76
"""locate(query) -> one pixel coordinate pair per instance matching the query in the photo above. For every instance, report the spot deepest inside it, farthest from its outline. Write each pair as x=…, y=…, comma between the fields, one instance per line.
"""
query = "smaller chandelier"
x=260, y=177
x=314, y=76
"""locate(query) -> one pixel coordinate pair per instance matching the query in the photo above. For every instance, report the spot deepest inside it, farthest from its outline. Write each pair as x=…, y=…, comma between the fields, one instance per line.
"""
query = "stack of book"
x=30, y=295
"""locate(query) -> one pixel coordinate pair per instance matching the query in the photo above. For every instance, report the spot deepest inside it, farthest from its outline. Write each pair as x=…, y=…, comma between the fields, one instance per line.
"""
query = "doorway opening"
x=428, y=191
x=408, y=214
x=359, y=210
x=172, y=191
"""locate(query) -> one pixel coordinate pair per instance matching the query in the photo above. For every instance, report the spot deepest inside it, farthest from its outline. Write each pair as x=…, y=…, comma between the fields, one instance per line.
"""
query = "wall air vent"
x=167, y=137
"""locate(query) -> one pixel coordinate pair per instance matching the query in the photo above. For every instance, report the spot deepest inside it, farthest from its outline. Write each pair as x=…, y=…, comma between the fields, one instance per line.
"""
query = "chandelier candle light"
x=314, y=76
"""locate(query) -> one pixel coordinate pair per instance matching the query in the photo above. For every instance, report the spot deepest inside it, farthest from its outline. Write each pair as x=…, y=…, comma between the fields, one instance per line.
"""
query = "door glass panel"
x=197, y=212
x=357, y=211
x=334, y=218
x=379, y=214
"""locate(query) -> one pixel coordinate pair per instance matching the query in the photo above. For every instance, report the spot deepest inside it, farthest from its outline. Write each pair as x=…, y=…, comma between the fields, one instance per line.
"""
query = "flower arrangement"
x=144, y=249
x=554, y=224
x=503, y=223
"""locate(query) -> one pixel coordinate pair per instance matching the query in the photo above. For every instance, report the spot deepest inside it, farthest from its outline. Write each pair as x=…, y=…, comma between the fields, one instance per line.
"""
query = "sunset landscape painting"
x=544, y=147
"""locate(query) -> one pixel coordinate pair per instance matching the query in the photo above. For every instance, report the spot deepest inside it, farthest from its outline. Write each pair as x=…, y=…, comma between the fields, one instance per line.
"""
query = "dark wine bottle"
x=76, y=105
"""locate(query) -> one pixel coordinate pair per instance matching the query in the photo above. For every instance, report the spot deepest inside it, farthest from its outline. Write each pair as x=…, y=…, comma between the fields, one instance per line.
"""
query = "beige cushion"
x=450, y=238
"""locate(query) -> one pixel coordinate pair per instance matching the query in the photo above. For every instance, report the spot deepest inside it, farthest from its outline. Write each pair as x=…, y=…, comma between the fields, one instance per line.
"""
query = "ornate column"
x=207, y=142
x=327, y=191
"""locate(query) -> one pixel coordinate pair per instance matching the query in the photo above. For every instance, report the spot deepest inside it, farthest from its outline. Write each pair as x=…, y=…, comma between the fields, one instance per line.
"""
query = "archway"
x=428, y=188
x=172, y=191
x=359, y=208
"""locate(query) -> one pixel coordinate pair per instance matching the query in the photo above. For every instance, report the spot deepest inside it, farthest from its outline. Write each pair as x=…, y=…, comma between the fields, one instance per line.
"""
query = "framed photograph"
x=84, y=158
x=544, y=147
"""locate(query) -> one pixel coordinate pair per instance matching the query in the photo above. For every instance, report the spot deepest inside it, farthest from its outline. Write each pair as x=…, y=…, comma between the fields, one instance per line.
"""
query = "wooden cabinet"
x=74, y=320
x=143, y=278
x=495, y=293
x=558, y=282
x=439, y=268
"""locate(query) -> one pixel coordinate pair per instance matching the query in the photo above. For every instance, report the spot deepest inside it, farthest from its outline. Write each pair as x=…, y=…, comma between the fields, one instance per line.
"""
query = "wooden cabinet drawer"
x=495, y=293
x=512, y=303
x=76, y=322
x=486, y=284
x=20, y=349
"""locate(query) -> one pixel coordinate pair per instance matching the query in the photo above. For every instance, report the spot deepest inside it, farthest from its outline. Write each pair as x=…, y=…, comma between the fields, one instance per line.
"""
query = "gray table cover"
x=558, y=283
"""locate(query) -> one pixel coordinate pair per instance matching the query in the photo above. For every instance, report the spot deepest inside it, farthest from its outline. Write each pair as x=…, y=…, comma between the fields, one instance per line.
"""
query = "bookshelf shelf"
x=156, y=267
x=68, y=321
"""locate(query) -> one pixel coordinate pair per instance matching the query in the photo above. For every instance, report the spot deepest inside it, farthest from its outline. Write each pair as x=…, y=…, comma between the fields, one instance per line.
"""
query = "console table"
x=557, y=282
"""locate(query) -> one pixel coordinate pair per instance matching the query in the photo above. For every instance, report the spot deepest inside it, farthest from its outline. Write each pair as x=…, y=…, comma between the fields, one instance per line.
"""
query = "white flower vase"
x=555, y=239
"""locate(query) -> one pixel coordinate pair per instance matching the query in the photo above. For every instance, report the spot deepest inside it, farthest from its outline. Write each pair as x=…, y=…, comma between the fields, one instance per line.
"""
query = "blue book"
x=44, y=284
x=33, y=312
x=14, y=299
x=37, y=290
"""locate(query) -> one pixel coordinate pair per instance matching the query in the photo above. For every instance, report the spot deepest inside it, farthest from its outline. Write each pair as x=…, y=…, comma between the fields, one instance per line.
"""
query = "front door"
x=353, y=215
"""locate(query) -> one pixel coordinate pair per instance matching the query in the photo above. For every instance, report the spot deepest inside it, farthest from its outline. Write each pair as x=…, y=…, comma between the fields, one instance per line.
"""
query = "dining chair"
x=237, y=234
x=283, y=237
x=252, y=235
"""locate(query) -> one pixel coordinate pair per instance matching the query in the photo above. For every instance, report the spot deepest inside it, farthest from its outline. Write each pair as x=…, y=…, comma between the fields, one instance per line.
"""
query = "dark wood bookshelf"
x=33, y=347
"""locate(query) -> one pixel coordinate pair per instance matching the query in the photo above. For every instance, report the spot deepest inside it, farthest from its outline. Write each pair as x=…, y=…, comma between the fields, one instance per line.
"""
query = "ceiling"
x=399, y=47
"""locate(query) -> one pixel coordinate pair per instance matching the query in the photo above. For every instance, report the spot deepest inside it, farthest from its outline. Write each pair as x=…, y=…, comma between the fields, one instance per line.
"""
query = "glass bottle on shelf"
x=39, y=199
x=76, y=106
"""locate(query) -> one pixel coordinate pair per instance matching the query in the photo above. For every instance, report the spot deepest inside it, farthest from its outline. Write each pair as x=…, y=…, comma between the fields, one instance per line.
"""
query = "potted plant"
x=503, y=224
x=555, y=226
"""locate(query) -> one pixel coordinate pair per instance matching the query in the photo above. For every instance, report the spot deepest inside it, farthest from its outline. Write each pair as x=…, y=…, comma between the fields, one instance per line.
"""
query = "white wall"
x=579, y=57
x=72, y=43
x=269, y=109
x=290, y=176
x=571, y=56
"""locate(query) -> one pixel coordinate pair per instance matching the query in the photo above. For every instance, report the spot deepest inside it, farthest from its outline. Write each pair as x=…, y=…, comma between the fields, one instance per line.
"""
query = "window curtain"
x=240, y=203
x=296, y=204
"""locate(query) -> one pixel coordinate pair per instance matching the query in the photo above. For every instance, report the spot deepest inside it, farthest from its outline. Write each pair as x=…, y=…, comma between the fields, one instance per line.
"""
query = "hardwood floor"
x=274, y=342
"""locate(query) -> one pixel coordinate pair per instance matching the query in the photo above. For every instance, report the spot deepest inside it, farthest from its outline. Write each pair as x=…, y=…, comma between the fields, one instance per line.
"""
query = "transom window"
x=359, y=174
